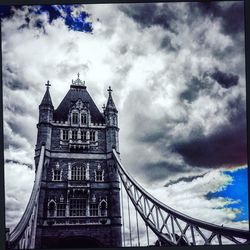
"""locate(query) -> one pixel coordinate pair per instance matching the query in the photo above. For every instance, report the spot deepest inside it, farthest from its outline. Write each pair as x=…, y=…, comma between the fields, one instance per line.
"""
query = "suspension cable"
x=137, y=227
x=129, y=220
x=147, y=234
x=123, y=230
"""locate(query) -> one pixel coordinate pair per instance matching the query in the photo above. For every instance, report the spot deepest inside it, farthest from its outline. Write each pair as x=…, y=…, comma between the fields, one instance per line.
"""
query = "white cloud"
x=147, y=80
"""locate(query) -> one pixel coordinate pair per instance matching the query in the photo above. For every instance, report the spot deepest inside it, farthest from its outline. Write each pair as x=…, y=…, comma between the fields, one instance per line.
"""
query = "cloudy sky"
x=178, y=76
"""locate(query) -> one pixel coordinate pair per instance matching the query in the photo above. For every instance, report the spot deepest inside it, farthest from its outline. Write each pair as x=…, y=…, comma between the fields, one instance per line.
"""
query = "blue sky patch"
x=237, y=190
x=74, y=22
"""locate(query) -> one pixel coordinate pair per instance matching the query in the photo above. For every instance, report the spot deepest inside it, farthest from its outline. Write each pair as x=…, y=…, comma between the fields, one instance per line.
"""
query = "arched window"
x=103, y=208
x=92, y=136
x=83, y=118
x=74, y=118
x=78, y=173
x=51, y=208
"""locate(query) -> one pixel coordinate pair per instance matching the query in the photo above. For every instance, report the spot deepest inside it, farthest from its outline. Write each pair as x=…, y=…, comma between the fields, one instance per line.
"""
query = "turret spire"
x=110, y=103
x=46, y=98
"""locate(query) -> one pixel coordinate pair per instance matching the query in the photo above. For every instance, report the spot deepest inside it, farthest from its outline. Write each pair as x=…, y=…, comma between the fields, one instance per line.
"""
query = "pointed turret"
x=46, y=109
x=46, y=101
x=110, y=103
x=111, y=118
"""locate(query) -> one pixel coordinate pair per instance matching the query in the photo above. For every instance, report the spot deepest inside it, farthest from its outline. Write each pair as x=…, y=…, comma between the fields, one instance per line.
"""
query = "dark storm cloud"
x=185, y=179
x=20, y=163
x=231, y=17
x=227, y=146
x=168, y=44
x=161, y=170
x=150, y=14
x=194, y=87
x=12, y=79
x=226, y=80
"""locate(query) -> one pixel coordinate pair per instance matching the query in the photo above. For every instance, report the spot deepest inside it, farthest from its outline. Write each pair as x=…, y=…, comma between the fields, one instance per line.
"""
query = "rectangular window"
x=77, y=207
x=99, y=175
x=78, y=173
x=92, y=136
x=83, y=119
x=83, y=135
x=74, y=118
x=65, y=134
x=56, y=175
x=93, y=209
x=61, y=209
x=74, y=134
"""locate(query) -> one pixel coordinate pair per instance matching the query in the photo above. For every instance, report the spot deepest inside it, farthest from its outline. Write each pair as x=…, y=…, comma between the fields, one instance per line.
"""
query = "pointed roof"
x=110, y=103
x=46, y=98
x=75, y=93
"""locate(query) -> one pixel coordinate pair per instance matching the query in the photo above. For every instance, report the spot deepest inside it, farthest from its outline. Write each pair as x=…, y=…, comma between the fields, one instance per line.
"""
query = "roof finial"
x=78, y=81
x=47, y=84
x=109, y=90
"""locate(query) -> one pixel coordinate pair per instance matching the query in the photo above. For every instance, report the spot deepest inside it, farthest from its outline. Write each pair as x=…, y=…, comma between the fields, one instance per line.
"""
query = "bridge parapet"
x=23, y=235
x=172, y=227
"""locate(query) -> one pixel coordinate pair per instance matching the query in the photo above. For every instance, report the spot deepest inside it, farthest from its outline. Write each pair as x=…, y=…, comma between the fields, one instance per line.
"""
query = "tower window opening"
x=99, y=175
x=56, y=175
x=93, y=209
x=61, y=210
x=65, y=134
x=103, y=208
x=77, y=207
x=78, y=173
x=52, y=209
x=74, y=118
x=74, y=134
x=83, y=135
x=83, y=119
x=92, y=136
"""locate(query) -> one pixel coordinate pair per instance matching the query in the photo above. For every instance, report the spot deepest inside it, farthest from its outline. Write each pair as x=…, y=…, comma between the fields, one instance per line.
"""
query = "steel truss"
x=172, y=227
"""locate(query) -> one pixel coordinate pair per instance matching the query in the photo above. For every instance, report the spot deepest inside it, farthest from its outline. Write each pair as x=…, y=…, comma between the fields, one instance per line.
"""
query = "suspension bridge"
x=167, y=225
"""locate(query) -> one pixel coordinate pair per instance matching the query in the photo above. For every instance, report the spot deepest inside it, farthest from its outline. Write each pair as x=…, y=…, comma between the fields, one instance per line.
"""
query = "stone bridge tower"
x=79, y=202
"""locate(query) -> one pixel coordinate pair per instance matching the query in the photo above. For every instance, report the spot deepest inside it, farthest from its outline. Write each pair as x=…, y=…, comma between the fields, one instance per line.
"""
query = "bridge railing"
x=173, y=227
x=23, y=235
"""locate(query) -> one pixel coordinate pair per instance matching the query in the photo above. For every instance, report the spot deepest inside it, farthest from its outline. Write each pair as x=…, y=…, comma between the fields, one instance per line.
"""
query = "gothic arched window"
x=74, y=118
x=78, y=173
x=103, y=208
x=51, y=208
x=83, y=118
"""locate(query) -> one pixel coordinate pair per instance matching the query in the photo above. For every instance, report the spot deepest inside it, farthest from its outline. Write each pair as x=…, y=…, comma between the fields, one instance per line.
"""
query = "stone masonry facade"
x=79, y=202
